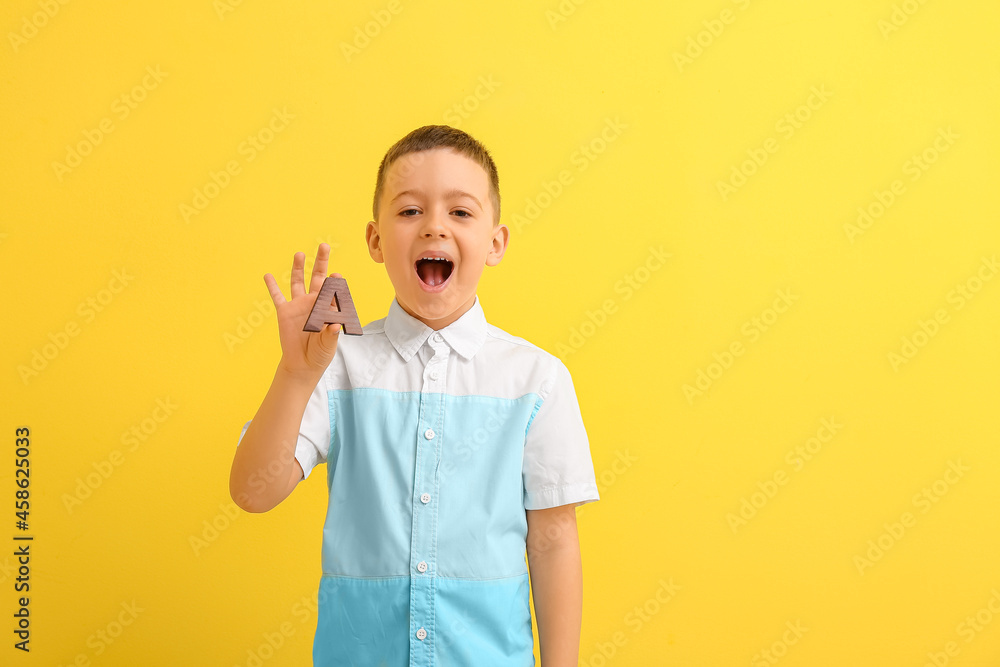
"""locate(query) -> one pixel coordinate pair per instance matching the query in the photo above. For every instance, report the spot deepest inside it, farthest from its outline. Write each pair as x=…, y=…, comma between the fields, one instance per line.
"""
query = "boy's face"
x=436, y=203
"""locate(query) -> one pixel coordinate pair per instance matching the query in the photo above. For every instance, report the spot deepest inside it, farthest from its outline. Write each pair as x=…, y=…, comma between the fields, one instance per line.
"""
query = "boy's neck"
x=438, y=324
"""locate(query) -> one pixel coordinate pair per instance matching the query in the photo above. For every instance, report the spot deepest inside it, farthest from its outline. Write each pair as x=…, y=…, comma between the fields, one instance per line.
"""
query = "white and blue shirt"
x=436, y=443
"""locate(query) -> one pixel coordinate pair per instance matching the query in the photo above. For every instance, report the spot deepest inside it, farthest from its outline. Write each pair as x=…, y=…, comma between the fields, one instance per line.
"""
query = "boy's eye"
x=410, y=212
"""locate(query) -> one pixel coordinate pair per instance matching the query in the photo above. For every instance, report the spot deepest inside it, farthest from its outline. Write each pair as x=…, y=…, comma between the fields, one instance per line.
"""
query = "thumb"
x=328, y=337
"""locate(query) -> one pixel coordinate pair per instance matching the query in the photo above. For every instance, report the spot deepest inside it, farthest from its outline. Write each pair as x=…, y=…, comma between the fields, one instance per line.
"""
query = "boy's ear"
x=373, y=241
x=501, y=235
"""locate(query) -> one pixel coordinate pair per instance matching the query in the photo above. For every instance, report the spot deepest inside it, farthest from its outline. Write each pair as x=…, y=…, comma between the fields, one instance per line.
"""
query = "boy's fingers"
x=328, y=337
x=272, y=286
x=298, y=271
x=319, y=268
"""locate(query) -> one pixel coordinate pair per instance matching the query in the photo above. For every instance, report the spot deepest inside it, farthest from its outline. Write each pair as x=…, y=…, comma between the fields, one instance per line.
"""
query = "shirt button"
x=421, y=633
x=437, y=338
x=422, y=566
x=429, y=434
x=425, y=498
x=435, y=375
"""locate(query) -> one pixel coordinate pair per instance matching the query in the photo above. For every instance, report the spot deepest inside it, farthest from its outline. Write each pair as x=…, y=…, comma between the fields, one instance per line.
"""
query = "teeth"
x=440, y=259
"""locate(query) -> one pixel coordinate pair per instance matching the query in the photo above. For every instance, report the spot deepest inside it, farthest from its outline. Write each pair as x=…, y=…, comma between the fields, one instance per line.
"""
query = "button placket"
x=434, y=371
x=423, y=547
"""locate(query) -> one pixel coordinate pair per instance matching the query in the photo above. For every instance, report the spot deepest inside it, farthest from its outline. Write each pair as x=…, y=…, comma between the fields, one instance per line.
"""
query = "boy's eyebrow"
x=448, y=194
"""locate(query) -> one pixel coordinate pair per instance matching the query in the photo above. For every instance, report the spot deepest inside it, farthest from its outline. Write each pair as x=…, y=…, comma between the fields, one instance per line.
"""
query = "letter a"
x=334, y=306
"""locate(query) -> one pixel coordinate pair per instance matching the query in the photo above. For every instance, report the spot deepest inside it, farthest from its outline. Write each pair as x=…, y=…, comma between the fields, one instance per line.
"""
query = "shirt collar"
x=407, y=334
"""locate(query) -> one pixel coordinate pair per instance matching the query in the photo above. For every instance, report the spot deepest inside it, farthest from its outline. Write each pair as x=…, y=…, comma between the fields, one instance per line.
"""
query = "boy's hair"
x=440, y=136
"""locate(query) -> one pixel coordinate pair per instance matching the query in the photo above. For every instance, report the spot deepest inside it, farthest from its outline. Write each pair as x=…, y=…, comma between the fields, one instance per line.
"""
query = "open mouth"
x=434, y=271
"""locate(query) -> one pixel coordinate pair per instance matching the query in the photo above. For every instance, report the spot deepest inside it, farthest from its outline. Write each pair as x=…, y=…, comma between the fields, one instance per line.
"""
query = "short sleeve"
x=557, y=467
x=314, y=432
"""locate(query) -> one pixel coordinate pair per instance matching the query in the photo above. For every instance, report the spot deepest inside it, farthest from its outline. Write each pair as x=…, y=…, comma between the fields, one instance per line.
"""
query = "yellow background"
x=536, y=90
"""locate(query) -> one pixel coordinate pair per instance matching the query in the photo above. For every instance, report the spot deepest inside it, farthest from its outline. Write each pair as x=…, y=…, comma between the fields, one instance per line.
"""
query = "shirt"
x=436, y=443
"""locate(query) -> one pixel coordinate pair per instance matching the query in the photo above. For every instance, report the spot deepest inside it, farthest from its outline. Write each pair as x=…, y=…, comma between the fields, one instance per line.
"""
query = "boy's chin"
x=431, y=306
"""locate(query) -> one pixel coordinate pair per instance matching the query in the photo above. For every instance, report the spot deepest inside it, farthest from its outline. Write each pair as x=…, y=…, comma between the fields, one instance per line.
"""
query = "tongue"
x=432, y=272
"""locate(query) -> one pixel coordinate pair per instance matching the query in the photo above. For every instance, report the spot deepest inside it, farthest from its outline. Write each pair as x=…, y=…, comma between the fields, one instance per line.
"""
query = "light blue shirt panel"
x=481, y=522
x=475, y=484
x=370, y=478
x=366, y=622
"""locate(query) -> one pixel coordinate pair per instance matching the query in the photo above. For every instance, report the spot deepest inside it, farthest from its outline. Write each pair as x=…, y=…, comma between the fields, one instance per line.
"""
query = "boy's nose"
x=434, y=226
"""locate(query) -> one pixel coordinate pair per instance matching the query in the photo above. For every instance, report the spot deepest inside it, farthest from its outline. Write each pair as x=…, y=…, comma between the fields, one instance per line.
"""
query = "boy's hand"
x=303, y=353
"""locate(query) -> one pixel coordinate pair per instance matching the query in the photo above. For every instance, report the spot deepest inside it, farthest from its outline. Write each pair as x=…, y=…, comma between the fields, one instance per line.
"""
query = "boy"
x=452, y=447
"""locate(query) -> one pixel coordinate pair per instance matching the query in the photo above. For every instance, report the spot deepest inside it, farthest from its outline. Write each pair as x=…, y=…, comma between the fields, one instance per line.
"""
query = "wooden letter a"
x=334, y=306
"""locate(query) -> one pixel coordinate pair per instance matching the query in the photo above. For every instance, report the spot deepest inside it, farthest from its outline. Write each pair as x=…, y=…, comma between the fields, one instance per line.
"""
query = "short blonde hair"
x=440, y=136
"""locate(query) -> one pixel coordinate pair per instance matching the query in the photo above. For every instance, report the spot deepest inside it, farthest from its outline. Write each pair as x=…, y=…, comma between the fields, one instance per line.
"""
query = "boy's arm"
x=556, y=573
x=264, y=468
x=255, y=482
